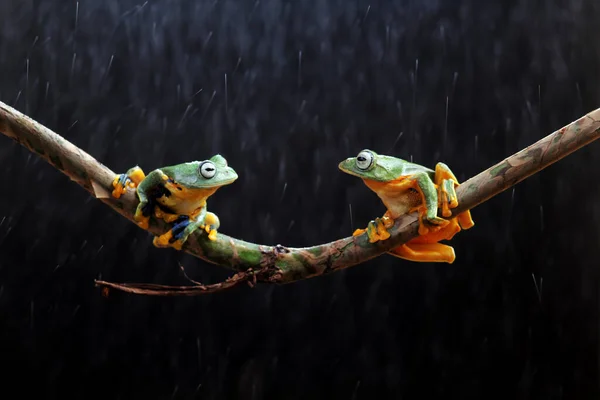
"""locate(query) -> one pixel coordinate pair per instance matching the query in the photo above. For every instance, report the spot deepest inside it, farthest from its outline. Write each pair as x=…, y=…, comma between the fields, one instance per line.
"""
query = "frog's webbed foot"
x=447, y=196
x=176, y=236
x=429, y=223
x=184, y=226
x=130, y=179
x=142, y=214
x=376, y=229
x=358, y=232
x=211, y=224
x=447, y=184
x=425, y=252
x=120, y=185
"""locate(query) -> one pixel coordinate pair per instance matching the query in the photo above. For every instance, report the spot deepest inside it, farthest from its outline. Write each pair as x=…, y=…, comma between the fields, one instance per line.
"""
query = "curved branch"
x=280, y=264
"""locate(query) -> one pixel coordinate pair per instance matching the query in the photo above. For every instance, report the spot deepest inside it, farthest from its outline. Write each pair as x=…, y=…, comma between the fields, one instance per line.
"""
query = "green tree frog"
x=178, y=194
x=404, y=187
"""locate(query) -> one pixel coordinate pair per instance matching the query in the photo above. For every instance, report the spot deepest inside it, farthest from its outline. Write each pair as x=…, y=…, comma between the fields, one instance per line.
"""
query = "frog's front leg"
x=211, y=224
x=448, y=199
x=446, y=182
x=428, y=192
x=377, y=228
x=150, y=188
x=132, y=178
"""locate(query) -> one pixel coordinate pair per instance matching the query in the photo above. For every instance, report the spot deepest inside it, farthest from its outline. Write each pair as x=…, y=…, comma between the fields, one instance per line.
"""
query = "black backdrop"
x=285, y=90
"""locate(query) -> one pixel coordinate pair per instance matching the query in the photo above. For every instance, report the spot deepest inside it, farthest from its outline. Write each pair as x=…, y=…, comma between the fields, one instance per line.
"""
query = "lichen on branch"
x=281, y=264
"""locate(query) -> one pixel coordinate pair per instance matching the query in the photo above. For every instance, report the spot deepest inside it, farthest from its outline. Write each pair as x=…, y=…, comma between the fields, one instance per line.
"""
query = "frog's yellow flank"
x=178, y=194
x=405, y=187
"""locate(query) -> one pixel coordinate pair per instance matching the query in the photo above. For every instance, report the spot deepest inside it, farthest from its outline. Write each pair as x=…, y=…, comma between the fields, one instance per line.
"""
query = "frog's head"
x=211, y=173
x=370, y=165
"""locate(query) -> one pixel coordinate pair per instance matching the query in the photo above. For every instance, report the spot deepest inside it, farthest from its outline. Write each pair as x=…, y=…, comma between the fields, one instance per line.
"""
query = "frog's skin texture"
x=177, y=194
x=404, y=187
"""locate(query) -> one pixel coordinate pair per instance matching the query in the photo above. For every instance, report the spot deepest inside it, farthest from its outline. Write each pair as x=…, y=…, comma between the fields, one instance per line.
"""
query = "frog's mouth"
x=227, y=177
x=347, y=166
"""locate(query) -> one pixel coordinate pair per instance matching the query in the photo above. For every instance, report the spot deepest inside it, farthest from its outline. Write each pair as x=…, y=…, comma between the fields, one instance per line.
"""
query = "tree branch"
x=280, y=264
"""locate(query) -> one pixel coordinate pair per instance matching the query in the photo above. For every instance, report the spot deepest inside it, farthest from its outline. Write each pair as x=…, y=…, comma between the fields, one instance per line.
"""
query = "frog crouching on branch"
x=177, y=194
x=405, y=187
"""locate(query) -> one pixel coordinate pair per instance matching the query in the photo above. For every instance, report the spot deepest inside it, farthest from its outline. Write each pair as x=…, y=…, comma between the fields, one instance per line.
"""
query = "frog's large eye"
x=207, y=169
x=364, y=160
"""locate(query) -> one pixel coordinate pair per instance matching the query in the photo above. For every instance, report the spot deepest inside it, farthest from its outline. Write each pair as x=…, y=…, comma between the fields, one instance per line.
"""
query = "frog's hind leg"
x=425, y=252
x=173, y=237
x=447, y=183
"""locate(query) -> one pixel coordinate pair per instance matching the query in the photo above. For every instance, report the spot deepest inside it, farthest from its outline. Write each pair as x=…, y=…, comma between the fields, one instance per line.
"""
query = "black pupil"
x=361, y=158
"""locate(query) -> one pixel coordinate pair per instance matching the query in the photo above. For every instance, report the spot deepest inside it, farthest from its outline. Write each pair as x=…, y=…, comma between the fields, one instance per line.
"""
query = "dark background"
x=309, y=83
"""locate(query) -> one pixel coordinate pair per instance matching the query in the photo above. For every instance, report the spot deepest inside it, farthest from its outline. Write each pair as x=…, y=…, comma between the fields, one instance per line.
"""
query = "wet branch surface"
x=280, y=264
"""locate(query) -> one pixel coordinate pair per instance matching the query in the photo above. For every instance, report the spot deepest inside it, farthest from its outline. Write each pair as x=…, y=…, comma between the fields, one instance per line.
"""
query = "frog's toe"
x=178, y=230
x=376, y=230
x=448, y=197
x=142, y=215
x=431, y=224
x=437, y=221
x=358, y=232
x=143, y=222
x=212, y=235
x=163, y=240
x=120, y=184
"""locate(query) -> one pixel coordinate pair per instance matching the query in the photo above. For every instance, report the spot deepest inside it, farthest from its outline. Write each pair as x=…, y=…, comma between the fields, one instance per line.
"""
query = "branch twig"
x=189, y=290
x=280, y=264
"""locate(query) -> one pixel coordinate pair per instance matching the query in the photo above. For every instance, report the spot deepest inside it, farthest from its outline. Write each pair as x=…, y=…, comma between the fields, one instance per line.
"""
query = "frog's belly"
x=185, y=201
x=401, y=203
x=182, y=206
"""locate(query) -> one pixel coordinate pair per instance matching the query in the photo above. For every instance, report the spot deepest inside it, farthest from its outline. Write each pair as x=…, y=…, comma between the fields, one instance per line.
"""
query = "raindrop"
x=299, y=68
x=351, y=219
x=226, y=100
x=76, y=15
x=209, y=103
x=283, y=191
x=185, y=113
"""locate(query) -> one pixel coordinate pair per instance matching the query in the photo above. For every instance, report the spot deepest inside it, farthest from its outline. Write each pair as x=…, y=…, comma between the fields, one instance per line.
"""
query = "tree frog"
x=404, y=187
x=177, y=194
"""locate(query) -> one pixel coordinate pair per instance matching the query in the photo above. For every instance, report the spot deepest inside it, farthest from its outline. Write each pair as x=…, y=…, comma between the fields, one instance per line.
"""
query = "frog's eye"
x=364, y=160
x=207, y=169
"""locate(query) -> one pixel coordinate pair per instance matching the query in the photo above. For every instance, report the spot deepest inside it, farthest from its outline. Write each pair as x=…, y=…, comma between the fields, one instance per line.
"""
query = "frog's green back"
x=370, y=165
x=190, y=175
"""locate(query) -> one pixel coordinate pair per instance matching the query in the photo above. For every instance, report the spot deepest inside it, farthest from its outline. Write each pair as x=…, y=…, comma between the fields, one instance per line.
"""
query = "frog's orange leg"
x=447, y=197
x=426, y=248
x=425, y=252
x=465, y=220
